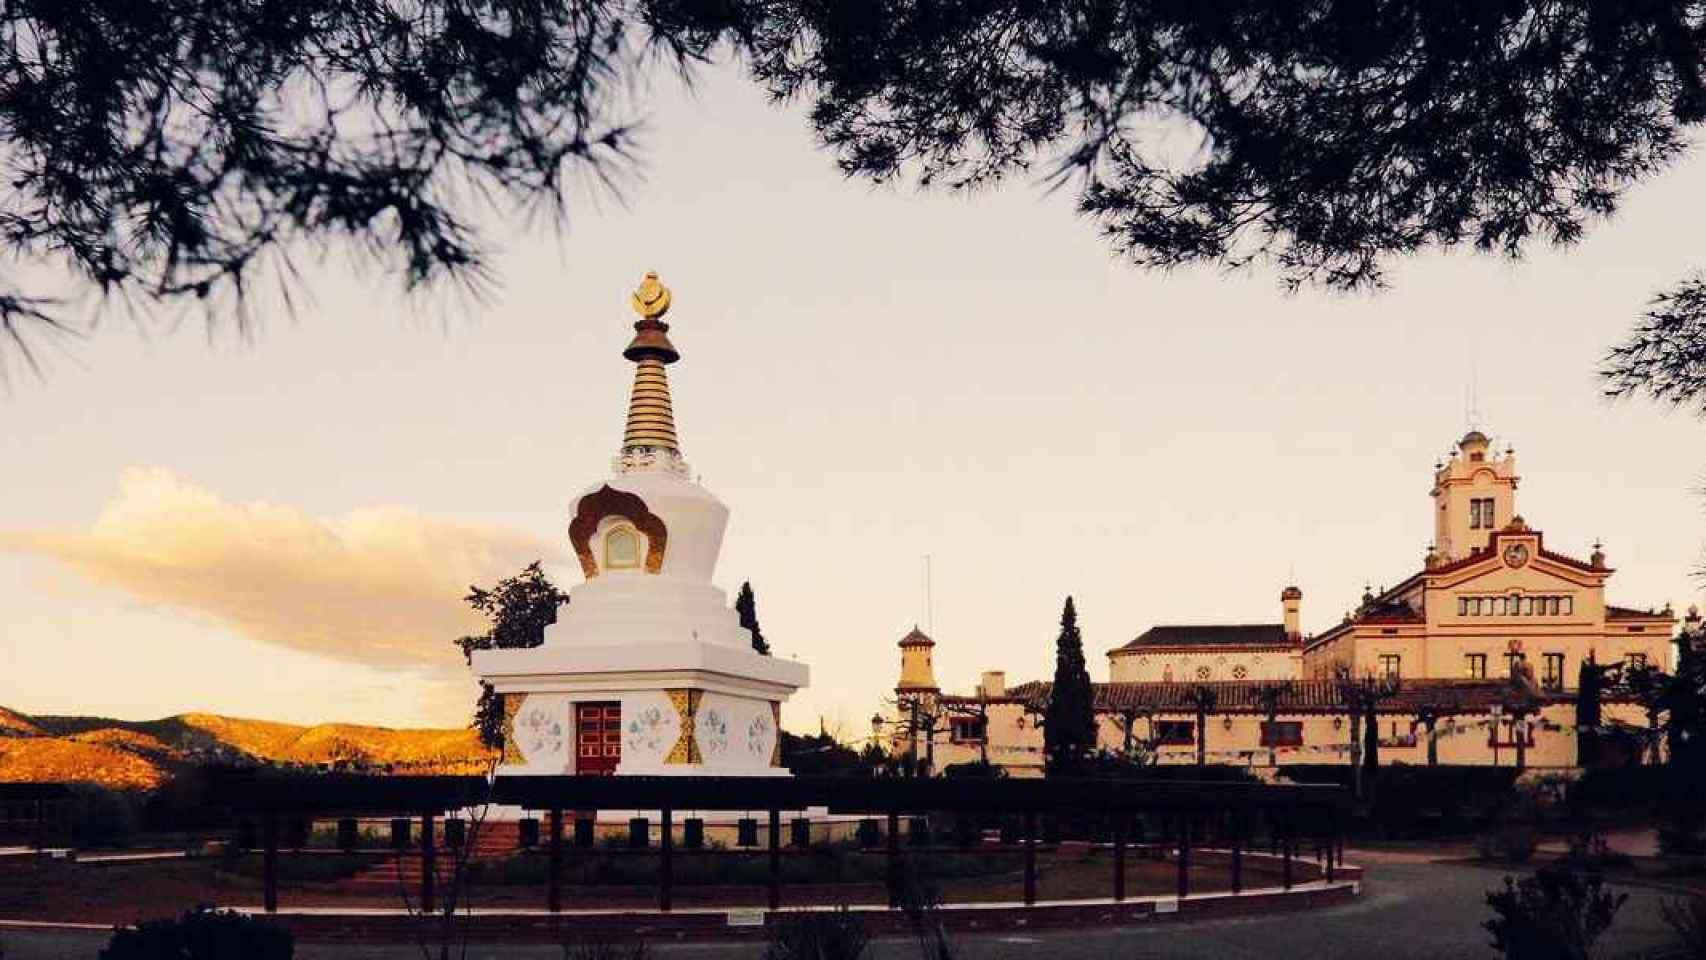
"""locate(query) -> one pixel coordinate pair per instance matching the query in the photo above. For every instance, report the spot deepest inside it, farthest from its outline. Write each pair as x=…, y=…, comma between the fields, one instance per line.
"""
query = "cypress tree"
x=1069, y=722
x=747, y=606
x=1588, y=683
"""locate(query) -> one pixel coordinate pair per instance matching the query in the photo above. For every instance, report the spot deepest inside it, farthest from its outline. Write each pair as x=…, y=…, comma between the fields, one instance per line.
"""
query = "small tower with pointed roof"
x=917, y=674
x=1474, y=493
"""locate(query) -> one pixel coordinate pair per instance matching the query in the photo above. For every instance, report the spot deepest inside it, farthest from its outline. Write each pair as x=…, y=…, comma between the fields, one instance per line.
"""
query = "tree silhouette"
x=1203, y=698
x=1269, y=696
x=1069, y=723
x=747, y=607
x=519, y=609
x=174, y=150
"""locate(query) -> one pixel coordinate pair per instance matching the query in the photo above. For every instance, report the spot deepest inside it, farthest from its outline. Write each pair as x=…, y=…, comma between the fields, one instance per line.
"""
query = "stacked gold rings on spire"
x=651, y=417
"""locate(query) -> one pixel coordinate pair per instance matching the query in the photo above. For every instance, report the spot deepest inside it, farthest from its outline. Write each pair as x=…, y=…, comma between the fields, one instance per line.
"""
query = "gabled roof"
x=1298, y=696
x=1213, y=635
x=1492, y=550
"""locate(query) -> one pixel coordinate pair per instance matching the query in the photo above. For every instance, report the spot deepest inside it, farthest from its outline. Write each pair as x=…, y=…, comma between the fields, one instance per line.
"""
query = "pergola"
x=1292, y=813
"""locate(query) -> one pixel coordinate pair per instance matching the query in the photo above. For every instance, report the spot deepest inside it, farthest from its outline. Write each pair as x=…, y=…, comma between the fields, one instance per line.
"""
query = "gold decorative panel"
x=776, y=715
x=512, y=706
x=686, y=749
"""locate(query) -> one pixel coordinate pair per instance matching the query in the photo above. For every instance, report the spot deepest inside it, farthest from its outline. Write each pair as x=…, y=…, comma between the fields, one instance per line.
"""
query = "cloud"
x=379, y=586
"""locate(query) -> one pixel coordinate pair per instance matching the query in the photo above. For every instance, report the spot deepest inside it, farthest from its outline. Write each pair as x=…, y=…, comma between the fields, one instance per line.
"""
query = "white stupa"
x=647, y=670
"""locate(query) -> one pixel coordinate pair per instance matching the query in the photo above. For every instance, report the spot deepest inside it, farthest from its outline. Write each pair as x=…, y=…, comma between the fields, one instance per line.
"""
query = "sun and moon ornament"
x=651, y=299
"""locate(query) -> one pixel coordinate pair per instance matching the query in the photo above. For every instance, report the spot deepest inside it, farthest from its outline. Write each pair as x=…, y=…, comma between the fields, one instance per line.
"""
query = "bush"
x=1557, y=914
x=1511, y=843
x=1688, y=919
x=817, y=936
x=202, y=934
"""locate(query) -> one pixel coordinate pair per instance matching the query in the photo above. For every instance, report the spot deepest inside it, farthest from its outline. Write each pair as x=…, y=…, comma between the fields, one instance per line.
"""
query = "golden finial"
x=651, y=300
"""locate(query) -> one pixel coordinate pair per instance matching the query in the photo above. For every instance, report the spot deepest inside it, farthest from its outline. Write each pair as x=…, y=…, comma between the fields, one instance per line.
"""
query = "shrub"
x=1557, y=914
x=202, y=934
x=1688, y=919
x=837, y=935
x=1511, y=843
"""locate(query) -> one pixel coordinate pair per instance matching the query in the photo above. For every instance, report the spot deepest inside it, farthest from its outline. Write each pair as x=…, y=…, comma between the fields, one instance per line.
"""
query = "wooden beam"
x=429, y=866
x=269, y=862
x=775, y=879
x=1119, y=857
x=554, y=866
x=666, y=858
x=1030, y=858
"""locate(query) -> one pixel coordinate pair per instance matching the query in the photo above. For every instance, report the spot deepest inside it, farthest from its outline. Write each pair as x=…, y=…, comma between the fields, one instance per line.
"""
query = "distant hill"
x=144, y=754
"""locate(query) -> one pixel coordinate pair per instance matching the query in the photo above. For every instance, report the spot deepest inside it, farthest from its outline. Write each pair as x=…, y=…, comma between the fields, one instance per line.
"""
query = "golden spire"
x=651, y=419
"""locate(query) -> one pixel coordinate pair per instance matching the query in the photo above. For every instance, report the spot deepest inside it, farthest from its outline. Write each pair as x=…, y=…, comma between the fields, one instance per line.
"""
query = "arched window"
x=622, y=548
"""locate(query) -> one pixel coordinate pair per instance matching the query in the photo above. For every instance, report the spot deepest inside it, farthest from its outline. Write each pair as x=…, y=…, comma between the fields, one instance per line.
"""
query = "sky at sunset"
x=283, y=525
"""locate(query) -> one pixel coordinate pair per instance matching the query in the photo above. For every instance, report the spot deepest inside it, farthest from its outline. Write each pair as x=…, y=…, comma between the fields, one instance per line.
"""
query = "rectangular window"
x=1282, y=733
x=1513, y=661
x=1389, y=665
x=1462, y=606
x=1569, y=605
x=1475, y=666
x=1552, y=606
x=1635, y=661
x=1552, y=674
x=1528, y=606
x=1175, y=732
x=1514, y=605
x=966, y=729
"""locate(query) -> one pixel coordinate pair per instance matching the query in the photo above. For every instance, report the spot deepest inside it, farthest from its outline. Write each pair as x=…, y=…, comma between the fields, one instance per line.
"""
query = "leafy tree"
x=821, y=755
x=174, y=151
x=1686, y=699
x=519, y=608
x=1650, y=687
x=1069, y=723
x=1557, y=913
x=489, y=717
x=747, y=606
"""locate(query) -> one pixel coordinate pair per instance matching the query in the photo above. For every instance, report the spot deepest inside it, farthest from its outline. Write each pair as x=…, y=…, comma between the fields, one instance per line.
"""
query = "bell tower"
x=1474, y=493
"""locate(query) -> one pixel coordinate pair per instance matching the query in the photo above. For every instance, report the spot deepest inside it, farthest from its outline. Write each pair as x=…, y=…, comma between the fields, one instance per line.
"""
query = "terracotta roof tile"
x=1212, y=635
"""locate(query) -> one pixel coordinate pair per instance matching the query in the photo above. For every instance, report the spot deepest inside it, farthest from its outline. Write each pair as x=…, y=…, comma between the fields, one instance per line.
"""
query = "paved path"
x=1410, y=911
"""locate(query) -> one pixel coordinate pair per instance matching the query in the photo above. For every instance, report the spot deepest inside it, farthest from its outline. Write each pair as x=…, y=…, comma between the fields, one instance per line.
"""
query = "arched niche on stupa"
x=610, y=513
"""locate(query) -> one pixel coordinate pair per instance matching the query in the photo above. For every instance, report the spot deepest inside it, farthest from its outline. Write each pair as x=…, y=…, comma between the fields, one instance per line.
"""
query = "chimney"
x=993, y=684
x=1291, y=602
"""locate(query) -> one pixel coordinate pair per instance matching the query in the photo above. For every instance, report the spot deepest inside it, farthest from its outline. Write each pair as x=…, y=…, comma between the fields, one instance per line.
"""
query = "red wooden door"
x=598, y=738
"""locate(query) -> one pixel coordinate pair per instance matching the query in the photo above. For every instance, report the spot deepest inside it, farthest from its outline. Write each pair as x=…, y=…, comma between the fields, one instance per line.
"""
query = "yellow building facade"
x=1476, y=654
